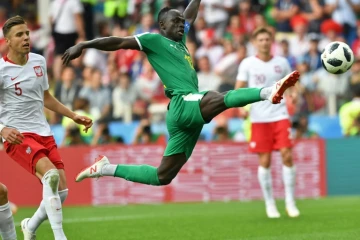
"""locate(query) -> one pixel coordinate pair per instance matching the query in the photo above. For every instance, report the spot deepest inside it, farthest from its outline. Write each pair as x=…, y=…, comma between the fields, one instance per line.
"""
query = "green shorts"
x=184, y=123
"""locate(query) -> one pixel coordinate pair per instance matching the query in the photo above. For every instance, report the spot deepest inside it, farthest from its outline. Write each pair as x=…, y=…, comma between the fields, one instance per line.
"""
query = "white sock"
x=40, y=214
x=108, y=170
x=265, y=93
x=265, y=180
x=7, y=227
x=52, y=202
x=289, y=183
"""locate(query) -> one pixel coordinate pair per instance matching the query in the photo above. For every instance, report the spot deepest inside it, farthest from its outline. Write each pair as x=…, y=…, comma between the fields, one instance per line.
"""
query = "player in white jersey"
x=27, y=135
x=271, y=128
x=7, y=227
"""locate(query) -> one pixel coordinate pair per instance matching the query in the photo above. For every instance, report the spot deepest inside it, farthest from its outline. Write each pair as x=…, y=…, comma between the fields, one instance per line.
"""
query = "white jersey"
x=22, y=95
x=259, y=74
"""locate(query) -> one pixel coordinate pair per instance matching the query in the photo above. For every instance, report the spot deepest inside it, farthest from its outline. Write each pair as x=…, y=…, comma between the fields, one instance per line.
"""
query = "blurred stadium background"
x=124, y=96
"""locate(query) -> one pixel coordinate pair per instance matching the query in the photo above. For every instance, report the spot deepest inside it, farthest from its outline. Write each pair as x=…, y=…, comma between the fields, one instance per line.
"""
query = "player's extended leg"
x=214, y=103
x=50, y=178
x=289, y=173
x=30, y=225
x=7, y=227
x=265, y=181
x=146, y=174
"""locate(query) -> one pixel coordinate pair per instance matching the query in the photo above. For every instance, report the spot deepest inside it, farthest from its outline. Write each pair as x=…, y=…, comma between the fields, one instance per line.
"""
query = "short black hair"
x=163, y=13
x=11, y=22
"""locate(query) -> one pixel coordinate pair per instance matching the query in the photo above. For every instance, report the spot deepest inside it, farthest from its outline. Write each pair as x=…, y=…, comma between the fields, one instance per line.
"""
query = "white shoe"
x=94, y=171
x=272, y=212
x=292, y=210
x=27, y=234
x=281, y=85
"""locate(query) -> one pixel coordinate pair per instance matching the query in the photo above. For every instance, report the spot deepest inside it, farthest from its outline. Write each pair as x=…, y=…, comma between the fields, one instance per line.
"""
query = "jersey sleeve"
x=243, y=74
x=46, y=80
x=148, y=42
x=76, y=7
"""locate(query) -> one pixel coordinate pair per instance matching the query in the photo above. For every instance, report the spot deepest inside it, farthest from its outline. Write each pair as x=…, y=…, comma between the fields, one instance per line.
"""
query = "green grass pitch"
x=328, y=219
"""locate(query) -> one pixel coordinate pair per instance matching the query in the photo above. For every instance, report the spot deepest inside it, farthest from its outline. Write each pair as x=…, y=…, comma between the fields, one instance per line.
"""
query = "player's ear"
x=7, y=39
x=162, y=25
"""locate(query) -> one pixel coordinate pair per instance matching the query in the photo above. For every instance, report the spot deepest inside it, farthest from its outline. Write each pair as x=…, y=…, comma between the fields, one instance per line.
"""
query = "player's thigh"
x=282, y=134
x=43, y=165
x=212, y=104
x=261, y=140
x=182, y=140
x=184, y=112
x=53, y=153
x=28, y=153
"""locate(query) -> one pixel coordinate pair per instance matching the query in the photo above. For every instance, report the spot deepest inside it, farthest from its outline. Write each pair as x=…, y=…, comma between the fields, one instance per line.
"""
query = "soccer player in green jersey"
x=188, y=110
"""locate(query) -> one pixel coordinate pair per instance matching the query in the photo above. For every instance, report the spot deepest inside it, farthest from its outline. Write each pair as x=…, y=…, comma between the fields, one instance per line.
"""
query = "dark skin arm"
x=104, y=44
x=191, y=11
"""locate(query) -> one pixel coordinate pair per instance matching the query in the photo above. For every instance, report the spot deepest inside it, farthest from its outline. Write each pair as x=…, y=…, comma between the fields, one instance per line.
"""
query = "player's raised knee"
x=165, y=180
x=3, y=192
x=52, y=178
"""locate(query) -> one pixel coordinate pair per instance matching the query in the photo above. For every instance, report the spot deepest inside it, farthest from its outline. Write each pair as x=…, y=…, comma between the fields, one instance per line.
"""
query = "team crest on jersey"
x=38, y=71
x=28, y=150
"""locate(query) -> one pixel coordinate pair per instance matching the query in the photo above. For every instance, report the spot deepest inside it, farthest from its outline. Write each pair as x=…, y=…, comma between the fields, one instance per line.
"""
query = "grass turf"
x=330, y=219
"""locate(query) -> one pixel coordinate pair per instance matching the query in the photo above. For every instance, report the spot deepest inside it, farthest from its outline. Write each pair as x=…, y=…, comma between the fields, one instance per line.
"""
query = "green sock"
x=242, y=97
x=138, y=173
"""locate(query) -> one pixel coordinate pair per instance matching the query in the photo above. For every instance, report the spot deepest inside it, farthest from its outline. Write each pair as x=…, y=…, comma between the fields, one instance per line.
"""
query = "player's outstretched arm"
x=191, y=11
x=53, y=104
x=104, y=44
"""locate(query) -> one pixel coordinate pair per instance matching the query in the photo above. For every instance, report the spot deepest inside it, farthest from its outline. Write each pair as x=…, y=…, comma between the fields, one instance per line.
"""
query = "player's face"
x=18, y=39
x=174, y=25
x=263, y=43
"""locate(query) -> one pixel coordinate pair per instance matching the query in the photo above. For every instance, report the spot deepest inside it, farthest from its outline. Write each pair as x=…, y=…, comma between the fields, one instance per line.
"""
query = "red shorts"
x=32, y=149
x=266, y=137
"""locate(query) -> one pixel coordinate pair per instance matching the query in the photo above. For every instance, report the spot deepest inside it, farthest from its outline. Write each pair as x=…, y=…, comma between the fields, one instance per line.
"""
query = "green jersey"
x=172, y=62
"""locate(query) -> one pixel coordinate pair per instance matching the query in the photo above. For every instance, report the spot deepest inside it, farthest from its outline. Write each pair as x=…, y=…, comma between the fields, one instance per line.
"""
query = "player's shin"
x=40, y=214
x=52, y=202
x=138, y=173
x=289, y=184
x=265, y=180
x=241, y=97
x=7, y=228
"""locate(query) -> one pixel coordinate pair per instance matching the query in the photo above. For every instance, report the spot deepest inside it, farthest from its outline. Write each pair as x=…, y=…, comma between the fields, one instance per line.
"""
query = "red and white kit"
x=271, y=128
x=22, y=107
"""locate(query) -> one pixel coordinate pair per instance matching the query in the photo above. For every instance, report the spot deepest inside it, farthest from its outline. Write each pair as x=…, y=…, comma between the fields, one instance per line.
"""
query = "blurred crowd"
x=122, y=86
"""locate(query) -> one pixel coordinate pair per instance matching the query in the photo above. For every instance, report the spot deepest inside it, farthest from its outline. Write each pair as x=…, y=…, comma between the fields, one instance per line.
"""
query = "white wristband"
x=2, y=127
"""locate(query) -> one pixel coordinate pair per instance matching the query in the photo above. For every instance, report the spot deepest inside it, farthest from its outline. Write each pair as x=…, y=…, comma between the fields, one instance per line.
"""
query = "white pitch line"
x=107, y=219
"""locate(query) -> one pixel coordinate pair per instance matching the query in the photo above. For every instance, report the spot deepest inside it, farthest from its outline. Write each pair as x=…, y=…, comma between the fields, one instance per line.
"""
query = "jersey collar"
x=6, y=59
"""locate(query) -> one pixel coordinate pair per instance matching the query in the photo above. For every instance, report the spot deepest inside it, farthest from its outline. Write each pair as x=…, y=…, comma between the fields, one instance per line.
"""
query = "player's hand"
x=72, y=53
x=87, y=122
x=12, y=135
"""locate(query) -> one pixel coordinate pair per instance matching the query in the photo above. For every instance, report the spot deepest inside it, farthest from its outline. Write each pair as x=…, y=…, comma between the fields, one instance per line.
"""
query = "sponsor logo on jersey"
x=38, y=71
